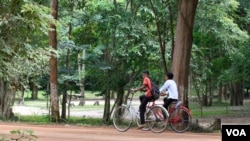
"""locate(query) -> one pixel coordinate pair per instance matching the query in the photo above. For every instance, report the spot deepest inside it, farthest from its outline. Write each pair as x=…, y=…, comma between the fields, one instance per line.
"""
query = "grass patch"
x=19, y=135
x=40, y=119
x=45, y=119
x=219, y=109
x=85, y=121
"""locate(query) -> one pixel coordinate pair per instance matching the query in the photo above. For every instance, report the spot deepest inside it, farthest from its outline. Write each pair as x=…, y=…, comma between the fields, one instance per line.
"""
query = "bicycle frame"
x=180, y=117
x=158, y=113
x=171, y=109
x=134, y=111
x=125, y=114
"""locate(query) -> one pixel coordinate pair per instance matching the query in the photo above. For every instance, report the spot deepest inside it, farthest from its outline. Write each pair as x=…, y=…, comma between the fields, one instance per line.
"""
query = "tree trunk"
x=182, y=50
x=106, y=113
x=225, y=94
x=210, y=93
x=65, y=89
x=21, y=100
x=7, y=99
x=34, y=89
x=204, y=96
x=55, y=115
x=82, y=76
x=220, y=93
x=66, y=83
x=236, y=98
x=171, y=27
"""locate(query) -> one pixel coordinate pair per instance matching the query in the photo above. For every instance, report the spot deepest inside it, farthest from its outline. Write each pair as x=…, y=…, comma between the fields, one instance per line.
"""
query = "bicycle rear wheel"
x=180, y=120
x=157, y=119
x=122, y=118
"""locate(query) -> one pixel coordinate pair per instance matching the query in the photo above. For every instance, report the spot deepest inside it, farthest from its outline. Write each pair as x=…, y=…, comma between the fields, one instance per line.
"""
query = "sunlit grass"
x=45, y=119
x=220, y=109
x=41, y=119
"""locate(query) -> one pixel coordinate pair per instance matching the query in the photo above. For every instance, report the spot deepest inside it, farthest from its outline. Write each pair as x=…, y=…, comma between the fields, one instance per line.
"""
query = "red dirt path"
x=104, y=133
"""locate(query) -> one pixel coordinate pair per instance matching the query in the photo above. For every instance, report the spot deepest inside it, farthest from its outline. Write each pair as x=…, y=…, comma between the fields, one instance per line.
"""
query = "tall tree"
x=24, y=24
x=216, y=51
x=55, y=114
x=183, y=45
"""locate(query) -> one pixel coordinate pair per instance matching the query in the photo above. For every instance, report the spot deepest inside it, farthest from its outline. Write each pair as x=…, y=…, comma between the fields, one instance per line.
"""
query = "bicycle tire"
x=180, y=120
x=122, y=118
x=138, y=119
x=157, y=119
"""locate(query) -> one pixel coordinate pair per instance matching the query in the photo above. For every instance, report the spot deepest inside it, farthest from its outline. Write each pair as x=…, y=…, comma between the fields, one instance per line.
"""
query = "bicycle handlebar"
x=133, y=91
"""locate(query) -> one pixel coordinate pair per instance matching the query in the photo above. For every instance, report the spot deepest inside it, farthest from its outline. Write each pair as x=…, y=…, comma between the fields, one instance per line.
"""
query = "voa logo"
x=236, y=132
x=240, y=132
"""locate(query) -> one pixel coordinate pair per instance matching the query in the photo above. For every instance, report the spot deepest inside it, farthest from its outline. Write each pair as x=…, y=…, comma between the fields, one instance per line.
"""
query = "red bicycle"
x=180, y=117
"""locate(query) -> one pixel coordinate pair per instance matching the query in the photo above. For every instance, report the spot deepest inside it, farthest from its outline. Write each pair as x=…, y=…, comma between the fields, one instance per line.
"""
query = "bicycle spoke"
x=180, y=120
x=157, y=119
x=122, y=118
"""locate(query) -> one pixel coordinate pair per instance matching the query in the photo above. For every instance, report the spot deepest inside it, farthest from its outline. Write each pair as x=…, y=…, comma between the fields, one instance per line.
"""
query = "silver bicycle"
x=155, y=116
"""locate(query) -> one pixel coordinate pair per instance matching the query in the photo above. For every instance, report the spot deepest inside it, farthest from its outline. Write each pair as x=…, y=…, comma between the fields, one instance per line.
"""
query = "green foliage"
x=22, y=135
x=218, y=39
x=23, y=43
x=239, y=69
x=37, y=17
x=124, y=45
x=224, y=30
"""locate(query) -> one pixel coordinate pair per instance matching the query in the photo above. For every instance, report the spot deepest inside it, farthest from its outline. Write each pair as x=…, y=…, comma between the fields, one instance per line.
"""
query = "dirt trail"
x=104, y=133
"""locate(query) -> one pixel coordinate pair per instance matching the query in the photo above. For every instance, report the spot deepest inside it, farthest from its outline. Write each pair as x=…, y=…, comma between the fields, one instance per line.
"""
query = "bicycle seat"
x=175, y=104
x=178, y=103
x=151, y=103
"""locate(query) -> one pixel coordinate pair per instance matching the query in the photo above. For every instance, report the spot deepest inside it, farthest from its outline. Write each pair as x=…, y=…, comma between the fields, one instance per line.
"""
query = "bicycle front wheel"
x=122, y=118
x=180, y=120
x=157, y=119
